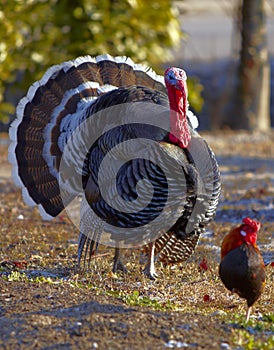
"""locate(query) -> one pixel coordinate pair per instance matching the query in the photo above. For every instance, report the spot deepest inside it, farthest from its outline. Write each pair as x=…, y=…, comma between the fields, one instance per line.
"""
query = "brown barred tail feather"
x=35, y=152
x=174, y=250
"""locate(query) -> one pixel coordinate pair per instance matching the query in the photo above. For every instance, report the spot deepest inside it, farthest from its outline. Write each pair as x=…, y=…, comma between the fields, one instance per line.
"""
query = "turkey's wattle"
x=175, y=80
x=111, y=100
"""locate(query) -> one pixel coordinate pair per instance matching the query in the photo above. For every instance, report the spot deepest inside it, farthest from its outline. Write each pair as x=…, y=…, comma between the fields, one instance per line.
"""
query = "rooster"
x=121, y=138
x=242, y=267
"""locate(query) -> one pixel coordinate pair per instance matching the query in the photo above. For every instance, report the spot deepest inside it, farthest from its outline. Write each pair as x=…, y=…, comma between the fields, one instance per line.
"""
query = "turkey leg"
x=117, y=263
x=149, y=269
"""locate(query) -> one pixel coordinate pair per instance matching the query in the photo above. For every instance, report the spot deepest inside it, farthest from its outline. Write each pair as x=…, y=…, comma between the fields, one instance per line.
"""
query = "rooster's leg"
x=149, y=269
x=248, y=311
x=117, y=264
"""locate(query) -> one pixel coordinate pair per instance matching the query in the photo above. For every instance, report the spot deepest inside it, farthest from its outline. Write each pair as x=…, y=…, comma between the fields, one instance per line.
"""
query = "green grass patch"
x=243, y=339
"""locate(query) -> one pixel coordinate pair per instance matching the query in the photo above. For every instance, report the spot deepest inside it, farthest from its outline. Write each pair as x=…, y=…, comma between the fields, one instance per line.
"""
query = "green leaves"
x=37, y=34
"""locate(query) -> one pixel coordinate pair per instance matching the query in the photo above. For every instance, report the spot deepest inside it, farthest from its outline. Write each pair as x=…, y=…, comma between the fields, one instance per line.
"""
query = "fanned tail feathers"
x=65, y=89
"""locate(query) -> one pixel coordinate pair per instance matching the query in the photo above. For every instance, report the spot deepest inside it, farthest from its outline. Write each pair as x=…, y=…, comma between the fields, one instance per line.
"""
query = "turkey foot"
x=149, y=271
x=117, y=264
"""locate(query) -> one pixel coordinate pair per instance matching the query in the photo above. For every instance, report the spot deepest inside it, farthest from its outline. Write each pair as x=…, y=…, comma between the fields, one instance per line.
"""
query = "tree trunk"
x=252, y=93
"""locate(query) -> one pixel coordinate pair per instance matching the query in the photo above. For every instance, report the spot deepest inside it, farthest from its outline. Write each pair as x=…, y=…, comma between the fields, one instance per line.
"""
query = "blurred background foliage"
x=35, y=34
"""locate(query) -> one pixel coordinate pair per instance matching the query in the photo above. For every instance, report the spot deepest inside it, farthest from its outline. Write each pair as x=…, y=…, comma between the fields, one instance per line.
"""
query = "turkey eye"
x=171, y=77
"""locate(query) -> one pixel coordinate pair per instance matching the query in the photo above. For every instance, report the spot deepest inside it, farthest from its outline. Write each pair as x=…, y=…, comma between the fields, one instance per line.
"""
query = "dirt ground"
x=46, y=302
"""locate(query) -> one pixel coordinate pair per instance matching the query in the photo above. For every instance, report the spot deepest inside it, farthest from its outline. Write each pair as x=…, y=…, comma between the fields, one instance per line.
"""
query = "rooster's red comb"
x=255, y=225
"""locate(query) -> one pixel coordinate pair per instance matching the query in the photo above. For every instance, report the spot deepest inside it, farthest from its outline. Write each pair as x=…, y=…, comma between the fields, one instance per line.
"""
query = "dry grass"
x=44, y=297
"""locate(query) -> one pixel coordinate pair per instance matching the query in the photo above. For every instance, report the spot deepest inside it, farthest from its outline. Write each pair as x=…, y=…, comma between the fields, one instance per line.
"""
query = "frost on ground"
x=247, y=167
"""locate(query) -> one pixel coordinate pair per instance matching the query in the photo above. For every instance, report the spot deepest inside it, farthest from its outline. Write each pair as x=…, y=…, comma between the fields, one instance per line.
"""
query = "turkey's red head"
x=175, y=79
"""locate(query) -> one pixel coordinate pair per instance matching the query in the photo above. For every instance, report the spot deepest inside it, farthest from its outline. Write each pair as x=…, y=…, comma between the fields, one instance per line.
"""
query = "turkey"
x=115, y=144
